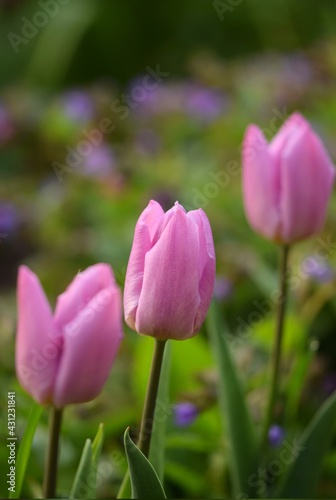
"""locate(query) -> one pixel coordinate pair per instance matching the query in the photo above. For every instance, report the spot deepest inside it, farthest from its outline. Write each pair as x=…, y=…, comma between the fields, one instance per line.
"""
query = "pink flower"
x=286, y=183
x=171, y=273
x=66, y=357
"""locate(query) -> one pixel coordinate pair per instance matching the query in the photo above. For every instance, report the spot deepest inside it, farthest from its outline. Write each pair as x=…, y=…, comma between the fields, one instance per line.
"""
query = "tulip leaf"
x=236, y=417
x=144, y=479
x=158, y=439
x=87, y=468
x=25, y=448
x=301, y=478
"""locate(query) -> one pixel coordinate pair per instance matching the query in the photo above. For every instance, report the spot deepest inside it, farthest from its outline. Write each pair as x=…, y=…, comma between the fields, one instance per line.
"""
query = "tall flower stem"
x=150, y=400
x=50, y=478
x=276, y=358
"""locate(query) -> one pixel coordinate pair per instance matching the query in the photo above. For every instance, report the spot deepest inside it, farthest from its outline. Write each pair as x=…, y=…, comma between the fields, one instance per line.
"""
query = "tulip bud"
x=66, y=357
x=171, y=273
x=287, y=183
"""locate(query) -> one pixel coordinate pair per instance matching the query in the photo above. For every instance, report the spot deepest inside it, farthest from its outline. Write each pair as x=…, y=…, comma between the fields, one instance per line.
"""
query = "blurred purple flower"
x=100, y=162
x=296, y=69
x=317, y=270
x=147, y=142
x=276, y=435
x=329, y=383
x=185, y=414
x=223, y=288
x=197, y=101
x=204, y=103
x=6, y=125
x=78, y=105
x=9, y=220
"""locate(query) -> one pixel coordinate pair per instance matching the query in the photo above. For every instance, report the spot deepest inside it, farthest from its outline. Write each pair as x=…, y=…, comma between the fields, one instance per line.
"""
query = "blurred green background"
x=69, y=67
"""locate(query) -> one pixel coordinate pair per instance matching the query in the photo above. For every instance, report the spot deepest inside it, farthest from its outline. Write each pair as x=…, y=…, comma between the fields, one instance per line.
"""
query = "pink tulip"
x=66, y=357
x=287, y=183
x=171, y=273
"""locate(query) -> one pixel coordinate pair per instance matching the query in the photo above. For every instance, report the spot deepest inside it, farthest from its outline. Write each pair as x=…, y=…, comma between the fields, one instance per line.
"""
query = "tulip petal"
x=260, y=184
x=91, y=342
x=169, y=298
x=145, y=231
x=38, y=347
x=295, y=122
x=80, y=291
x=207, y=264
x=306, y=177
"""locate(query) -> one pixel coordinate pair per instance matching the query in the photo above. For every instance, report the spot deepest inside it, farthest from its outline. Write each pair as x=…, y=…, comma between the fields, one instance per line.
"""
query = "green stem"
x=276, y=359
x=50, y=478
x=150, y=400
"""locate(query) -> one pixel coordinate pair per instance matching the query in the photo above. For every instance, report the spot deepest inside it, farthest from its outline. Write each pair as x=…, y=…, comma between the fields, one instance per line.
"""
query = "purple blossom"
x=9, y=220
x=223, y=288
x=185, y=414
x=329, y=383
x=147, y=142
x=204, y=103
x=100, y=162
x=276, y=435
x=78, y=105
x=317, y=269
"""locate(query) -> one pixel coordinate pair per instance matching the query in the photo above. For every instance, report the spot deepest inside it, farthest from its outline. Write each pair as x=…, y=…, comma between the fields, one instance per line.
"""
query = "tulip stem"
x=150, y=400
x=50, y=478
x=276, y=358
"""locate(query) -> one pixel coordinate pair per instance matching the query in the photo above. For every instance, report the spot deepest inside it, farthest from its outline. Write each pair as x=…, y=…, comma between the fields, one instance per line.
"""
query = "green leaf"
x=158, y=439
x=87, y=468
x=145, y=481
x=80, y=488
x=301, y=478
x=237, y=419
x=25, y=448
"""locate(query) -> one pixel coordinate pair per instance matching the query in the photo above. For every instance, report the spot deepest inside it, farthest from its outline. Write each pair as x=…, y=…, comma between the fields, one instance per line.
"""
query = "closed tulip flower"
x=65, y=357
x=286, y=183
x=171, y=273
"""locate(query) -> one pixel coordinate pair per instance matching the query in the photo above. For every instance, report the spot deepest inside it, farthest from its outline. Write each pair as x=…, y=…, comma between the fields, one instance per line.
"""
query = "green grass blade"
x=145, y=481
x=237, y=419
x=302, y=477
x=80, y=488
x=88, y=467
x=25, y=448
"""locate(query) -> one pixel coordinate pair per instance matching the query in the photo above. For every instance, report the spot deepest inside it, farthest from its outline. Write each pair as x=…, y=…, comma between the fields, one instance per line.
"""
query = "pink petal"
x=169, y=298
x=80, y=291
x=38, y=347
x=307, y=179
x=207, y=271
x=144, y=233
x=91, y=342
x=294, y=123
x=260, y=184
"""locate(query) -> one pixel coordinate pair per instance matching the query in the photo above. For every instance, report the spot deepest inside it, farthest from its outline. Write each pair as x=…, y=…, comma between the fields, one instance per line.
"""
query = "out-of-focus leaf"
x=25, y=448
x=87, y=468
x=301, y=479
x=145, y=481
x=238, y=424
